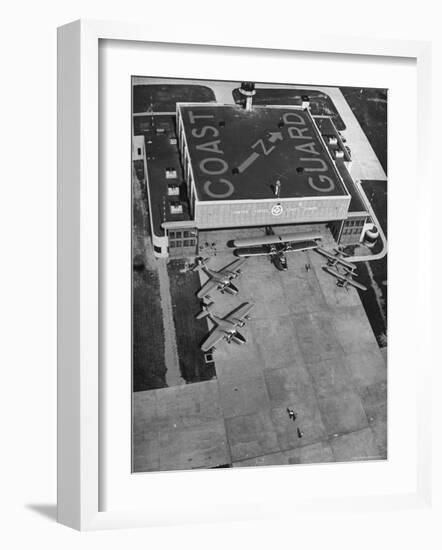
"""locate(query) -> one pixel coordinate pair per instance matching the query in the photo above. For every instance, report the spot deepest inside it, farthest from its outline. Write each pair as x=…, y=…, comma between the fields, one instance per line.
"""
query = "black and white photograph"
x=259, y=274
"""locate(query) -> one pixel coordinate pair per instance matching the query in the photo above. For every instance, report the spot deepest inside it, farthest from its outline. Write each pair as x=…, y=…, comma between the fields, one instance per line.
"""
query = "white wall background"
x=28, y=268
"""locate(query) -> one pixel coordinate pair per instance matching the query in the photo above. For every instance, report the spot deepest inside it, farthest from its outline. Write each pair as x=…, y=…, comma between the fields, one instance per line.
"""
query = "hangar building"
x=215, y=166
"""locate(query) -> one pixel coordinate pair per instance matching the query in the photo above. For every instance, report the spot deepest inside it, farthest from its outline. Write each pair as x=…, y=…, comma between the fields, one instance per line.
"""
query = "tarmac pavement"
x=309, y=346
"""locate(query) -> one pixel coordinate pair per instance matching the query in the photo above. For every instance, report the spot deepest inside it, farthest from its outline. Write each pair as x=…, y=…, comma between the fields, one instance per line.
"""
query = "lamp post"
x=247, y=90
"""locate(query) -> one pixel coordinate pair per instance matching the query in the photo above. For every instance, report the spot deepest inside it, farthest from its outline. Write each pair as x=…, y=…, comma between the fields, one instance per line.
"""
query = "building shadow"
x=49, y=511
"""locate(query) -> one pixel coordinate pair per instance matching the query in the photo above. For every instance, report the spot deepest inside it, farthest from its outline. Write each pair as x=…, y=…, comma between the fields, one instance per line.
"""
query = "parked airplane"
x=220, y=280
x=276, y=246
x=343, y=279
x=225, y=327
x=336, y=257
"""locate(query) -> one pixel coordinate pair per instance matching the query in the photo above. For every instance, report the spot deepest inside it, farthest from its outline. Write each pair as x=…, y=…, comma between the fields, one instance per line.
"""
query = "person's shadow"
x=49, y=511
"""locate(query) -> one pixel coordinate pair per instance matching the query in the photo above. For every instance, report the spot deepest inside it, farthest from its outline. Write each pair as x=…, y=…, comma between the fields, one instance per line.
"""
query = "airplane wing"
x=344, y=263
x=345, y=279
x=206, y=288
x=356, y=284
x=240, y=313
x=233, y=267
x=272, y=239
x=304, y=245
x=340, y=253
x=279, y=247
x=325, y=253
x=252, y=251
x=336, y=258
x=213, y=338
x=334, y=272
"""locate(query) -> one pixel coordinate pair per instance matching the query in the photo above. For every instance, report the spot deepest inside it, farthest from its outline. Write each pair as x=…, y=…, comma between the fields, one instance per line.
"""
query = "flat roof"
x=164, y=97
x=162, y=155
x=241, y=155
x=320, y=102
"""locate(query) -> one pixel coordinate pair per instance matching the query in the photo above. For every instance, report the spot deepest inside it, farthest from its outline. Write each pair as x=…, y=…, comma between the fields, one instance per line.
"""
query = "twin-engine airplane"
x=336, y=258
x=220, y=280
x=276, y=246
x=225, y=327
x=343, y=279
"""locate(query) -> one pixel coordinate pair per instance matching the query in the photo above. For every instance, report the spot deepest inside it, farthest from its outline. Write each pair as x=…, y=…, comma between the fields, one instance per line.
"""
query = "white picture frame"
x=79, y=265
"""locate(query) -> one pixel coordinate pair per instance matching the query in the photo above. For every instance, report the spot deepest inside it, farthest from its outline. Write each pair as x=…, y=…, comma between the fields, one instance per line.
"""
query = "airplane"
x=276, y=246
x=225, y=327
x=343, y=279
x=220, y=280
x=335, y=258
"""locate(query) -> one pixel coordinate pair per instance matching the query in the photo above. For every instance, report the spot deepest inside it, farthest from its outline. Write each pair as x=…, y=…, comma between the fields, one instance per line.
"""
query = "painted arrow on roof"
x=272, y=137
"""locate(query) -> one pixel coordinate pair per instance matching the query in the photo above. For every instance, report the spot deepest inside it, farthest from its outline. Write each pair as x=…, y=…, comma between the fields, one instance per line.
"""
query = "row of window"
x=357, y=223
x=348, y=231
x=181, y=234
x=182, y=243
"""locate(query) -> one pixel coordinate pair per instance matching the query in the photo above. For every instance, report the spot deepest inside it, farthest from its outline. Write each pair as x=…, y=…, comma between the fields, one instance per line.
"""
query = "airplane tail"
x=200, y=263
x=205, y=310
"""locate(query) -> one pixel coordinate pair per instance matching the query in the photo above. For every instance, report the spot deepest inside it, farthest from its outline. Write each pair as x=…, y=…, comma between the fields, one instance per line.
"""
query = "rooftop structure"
x=242, y=154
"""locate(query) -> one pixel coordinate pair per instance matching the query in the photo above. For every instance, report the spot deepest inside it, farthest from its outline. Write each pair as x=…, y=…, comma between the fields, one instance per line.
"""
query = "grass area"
x=374, y=274
x=190, y=331
x=149, y=369
x=320, y=103
x=148, y=366
x=369, y=106
x=163, y=97
x=376, y=192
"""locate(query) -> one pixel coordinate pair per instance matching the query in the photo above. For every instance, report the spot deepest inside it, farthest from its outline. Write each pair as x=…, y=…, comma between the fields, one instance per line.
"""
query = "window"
x=139, y=151
x=186, y=234
x=171, y=173
x=172, y=244
x=157, y=249
x=171, y=234
x=187, y=242
x=176, y=208
x=178, y=235
x=173, y=190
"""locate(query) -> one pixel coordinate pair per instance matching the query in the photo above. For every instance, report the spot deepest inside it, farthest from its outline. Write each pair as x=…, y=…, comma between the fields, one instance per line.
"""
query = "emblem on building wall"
x=276, y=210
